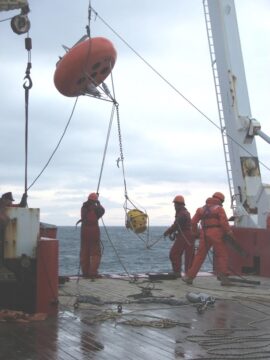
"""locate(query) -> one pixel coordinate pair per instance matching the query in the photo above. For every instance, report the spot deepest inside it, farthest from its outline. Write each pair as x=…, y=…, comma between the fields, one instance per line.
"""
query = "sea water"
x=123, y=252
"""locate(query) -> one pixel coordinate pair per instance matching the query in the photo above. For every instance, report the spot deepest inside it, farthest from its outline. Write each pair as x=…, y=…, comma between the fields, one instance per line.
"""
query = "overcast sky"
x=169, y=147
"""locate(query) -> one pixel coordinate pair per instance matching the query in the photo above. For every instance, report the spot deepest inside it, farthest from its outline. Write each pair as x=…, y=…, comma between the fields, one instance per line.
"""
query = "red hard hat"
x=93, y=196
x=219, y=196
x=179, y=199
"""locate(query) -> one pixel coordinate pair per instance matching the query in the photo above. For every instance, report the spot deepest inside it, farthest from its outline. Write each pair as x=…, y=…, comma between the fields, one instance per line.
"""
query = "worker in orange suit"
x=214, y=225
x=90, y=255
x=180, y=232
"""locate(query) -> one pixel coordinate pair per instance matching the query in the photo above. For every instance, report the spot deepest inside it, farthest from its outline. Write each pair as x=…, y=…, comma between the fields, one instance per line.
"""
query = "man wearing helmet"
x=90, y=254
x=214, y=225
x=180, y=232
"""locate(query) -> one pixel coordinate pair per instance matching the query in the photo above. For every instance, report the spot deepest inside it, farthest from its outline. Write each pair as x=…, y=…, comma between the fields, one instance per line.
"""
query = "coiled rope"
x=222, y=343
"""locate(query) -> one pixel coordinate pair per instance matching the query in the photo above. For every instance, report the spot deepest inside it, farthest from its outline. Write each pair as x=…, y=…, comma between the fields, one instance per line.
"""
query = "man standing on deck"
x=214, y=225
x=90, y=254
x=5, y=202
x=180, y=232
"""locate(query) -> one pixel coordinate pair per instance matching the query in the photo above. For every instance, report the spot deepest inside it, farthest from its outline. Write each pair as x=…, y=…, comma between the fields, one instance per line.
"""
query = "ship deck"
x=121, y=318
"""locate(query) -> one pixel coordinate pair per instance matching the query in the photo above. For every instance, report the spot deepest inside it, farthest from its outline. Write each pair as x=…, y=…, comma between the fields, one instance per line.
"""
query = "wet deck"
x=156, y=322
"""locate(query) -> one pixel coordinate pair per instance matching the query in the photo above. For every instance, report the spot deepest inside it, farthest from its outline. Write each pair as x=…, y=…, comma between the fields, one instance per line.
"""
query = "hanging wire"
x=120, y=261
x=57, y=146
x=174, y=88
x=6, y=19
x=106, y=147
x=27, y=86
x=149, y=246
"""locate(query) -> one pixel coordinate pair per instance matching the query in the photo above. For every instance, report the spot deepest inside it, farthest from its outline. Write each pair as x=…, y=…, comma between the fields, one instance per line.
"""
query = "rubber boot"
x=224, y=280
x=187, y=280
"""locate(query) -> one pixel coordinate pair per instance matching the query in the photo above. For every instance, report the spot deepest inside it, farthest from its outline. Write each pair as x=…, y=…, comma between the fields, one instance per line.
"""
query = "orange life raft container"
x=86, y=64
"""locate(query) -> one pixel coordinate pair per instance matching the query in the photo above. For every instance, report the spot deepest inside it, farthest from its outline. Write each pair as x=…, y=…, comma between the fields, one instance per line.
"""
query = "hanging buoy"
x=84, y=66
x=136, y=221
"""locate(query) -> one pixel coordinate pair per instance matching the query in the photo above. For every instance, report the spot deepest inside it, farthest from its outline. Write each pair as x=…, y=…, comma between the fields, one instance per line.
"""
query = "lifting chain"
x=121, y=158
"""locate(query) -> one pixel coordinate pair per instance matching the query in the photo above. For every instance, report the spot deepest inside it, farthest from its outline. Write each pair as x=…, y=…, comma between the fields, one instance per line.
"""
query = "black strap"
x=210, y=226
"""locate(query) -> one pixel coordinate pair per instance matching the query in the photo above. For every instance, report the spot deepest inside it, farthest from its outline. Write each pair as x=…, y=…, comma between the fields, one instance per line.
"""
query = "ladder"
x=219, y=104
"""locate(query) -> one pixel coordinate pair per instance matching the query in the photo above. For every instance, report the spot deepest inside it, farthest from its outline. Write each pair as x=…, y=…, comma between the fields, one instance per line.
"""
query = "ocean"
x=124, y=252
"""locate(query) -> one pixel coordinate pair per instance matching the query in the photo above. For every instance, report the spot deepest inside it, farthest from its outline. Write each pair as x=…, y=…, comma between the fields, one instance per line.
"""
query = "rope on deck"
x=225, y=344
x=162, y=323
x=155, y=321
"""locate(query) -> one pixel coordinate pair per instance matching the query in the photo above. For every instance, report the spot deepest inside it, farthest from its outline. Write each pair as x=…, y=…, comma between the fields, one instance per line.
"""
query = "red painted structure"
x=256, y=243
x=47, y=276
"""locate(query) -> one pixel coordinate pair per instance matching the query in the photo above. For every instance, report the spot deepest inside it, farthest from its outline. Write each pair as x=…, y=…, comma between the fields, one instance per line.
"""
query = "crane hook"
x=28, y=83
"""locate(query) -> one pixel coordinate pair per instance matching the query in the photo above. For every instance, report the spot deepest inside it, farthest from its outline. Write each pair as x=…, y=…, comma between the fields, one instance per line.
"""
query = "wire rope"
x=57, y=146
x=114, y=248
x=106, y=147
x=174, y=88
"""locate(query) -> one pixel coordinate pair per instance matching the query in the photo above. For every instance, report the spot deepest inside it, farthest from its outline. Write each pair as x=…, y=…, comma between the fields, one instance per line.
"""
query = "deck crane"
x=250, y=197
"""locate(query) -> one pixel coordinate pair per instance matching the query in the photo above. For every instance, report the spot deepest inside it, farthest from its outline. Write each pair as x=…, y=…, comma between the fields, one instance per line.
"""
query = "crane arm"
x=6, y=5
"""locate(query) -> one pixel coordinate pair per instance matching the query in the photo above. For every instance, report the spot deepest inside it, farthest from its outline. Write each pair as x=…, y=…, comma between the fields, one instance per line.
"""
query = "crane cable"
x=68, y=122
x=27, y=86
x=57, y=146
x=174, y=88
x=105, y=148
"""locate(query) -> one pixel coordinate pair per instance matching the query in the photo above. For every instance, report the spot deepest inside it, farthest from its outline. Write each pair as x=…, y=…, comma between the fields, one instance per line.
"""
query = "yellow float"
x=136, y=221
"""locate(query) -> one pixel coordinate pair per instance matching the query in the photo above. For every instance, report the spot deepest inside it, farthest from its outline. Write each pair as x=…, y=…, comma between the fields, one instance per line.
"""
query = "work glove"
x=172, y=237
x=23, y=202
x=166, y=233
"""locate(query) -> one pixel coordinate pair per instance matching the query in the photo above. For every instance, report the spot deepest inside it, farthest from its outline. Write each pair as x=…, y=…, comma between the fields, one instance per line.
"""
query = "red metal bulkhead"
x=256, y=243
x=48, y=230
x=47, y=276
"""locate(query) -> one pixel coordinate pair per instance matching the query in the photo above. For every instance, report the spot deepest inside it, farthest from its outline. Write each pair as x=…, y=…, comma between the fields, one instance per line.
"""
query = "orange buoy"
x=86, y=64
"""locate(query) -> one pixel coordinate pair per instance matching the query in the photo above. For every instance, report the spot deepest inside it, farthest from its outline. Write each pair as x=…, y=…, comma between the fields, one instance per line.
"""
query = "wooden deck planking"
x=131, y=342
x=74, y=336
x=138, y=345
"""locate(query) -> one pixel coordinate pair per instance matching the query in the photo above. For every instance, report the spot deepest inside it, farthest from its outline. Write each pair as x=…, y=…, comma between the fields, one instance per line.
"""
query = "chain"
x=121, y=148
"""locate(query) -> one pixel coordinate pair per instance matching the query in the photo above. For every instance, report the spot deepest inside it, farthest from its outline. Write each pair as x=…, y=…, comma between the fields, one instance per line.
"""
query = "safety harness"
x=209, y=218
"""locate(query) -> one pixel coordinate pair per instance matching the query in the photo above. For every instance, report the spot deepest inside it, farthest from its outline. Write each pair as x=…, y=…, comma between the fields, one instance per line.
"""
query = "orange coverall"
x=90, y=254
x=214, y=224
x=184, y=242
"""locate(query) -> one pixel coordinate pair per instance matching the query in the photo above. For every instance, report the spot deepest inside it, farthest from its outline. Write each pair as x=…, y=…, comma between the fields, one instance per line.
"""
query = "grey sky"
x=169, y=147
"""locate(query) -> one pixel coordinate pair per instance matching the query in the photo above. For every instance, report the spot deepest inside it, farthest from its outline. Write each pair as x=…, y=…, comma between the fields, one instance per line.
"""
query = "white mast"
x=250, y=198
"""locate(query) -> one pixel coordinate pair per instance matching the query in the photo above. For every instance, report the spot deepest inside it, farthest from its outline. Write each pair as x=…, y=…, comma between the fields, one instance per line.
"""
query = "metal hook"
x=28, y=83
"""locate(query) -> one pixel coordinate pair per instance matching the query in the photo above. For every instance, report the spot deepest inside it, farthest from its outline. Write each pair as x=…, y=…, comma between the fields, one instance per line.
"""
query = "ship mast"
x=250, y=198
